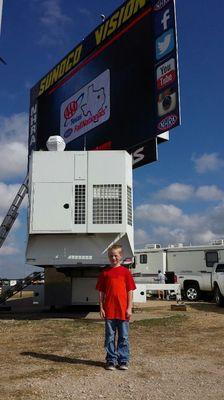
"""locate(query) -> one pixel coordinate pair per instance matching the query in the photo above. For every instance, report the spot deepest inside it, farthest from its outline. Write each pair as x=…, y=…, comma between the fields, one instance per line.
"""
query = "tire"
x=219, y=299
x=192, y=292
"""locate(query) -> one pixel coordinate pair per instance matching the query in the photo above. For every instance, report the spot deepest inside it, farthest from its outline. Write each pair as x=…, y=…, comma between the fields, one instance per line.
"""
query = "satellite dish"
x=103, y=17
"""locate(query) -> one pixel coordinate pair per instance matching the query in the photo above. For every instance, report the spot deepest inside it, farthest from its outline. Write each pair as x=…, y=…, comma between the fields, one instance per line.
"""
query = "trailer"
x=80, y=204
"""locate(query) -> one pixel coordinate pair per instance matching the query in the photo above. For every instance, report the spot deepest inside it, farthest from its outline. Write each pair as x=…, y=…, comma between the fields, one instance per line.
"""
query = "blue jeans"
x=120, y=353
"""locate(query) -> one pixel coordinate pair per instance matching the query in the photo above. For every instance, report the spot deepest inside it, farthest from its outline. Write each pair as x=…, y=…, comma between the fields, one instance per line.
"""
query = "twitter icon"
x=164, y=44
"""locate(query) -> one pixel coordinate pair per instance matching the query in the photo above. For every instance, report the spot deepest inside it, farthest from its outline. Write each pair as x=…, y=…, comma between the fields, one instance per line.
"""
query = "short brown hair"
x=115, y=247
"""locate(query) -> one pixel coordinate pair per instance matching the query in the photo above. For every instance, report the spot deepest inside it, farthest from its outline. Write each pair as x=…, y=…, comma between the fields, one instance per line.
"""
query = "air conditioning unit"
x=153, y=246
x=218, y=242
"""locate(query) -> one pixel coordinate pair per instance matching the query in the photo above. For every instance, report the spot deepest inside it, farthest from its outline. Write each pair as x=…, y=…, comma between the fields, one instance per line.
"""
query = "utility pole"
x=1, y=7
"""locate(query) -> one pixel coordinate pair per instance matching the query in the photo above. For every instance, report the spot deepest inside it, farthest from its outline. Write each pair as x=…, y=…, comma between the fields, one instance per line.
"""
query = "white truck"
x=192, y=265
x=194, y=284
x=218, y=283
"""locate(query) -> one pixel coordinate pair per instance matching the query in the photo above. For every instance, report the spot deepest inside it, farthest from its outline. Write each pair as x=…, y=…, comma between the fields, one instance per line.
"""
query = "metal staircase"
x=5, y=227
x=20, y=285
x=12, y=213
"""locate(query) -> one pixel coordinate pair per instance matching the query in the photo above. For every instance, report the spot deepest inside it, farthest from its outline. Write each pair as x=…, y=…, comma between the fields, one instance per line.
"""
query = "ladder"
x=20, y=285
x=12, y=213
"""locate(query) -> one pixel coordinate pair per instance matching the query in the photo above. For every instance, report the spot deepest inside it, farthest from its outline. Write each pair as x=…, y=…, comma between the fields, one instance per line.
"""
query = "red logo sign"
x=166, y=74
x=70, y=110
x=168, y=122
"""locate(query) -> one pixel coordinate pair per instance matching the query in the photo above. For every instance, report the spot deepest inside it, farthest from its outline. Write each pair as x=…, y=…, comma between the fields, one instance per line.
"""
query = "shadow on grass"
x=18, y=310
x=60, y=359
x=170, y=320
x=206, y=307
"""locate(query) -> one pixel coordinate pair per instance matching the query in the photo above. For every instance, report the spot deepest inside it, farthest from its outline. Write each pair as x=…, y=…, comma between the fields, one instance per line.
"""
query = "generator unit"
x=80, y=203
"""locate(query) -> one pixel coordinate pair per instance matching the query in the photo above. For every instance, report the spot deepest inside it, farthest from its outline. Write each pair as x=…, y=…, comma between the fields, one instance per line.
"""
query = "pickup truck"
x=193, y=285
x=218, y=283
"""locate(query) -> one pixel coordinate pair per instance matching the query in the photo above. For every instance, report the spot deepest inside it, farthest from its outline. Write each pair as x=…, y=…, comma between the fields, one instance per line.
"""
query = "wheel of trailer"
x=219, y=299
x=192, y=292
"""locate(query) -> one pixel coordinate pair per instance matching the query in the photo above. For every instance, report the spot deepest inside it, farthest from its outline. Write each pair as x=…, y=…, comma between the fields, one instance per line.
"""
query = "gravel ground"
x=175, y=355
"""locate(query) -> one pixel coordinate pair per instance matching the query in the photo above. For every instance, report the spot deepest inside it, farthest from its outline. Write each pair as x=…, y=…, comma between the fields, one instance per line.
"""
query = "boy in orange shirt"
x=115, y=286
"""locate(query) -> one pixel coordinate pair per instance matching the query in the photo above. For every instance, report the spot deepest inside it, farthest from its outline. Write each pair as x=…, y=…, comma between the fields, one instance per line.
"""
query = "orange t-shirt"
x=115, y=283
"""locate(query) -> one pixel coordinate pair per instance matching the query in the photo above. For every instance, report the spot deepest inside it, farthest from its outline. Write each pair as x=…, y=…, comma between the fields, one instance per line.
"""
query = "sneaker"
x=110, y=366
x=123, y=366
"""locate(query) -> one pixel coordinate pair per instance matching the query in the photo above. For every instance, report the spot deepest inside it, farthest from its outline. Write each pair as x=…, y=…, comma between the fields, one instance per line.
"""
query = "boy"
x=115, y=286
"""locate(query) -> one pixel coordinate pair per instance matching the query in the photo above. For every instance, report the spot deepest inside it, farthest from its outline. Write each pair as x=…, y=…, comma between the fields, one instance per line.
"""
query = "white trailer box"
x=80, y=203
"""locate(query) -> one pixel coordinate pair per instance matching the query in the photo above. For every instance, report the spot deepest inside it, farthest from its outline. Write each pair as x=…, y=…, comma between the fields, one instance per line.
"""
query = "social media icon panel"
x=164, y=21
x=167, y=101
x=164, y=44
x=166, y=74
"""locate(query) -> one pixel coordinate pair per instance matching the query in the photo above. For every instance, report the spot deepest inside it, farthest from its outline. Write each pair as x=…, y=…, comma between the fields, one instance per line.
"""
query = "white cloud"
x=13, y=145
x=204, y=236
x=54, y=23
x=167, y=224
x=170, y=236
x=179, y=235
x=158, y=213
x=11, y=245
x=208, y=162
x=209, y=193
x=52, y=13
x=141, y=236
x=7, y=194
x=14, y=128
x=216, y=220
x=167, y=214
x=87, y=13
x=181, y=192
x=13, y=160
x=176, y=191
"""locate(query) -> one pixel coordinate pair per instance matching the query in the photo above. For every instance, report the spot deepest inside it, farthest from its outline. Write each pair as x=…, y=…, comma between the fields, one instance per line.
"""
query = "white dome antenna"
x=55, y=143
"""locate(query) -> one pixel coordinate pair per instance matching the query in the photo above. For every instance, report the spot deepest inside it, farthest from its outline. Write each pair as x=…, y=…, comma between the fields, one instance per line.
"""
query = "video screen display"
x=117, y=89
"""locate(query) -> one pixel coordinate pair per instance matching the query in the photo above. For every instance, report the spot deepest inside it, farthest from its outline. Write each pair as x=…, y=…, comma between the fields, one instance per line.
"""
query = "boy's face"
x=115, y=257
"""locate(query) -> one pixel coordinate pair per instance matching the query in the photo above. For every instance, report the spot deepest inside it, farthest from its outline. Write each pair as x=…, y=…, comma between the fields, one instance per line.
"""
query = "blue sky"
x=180, y=197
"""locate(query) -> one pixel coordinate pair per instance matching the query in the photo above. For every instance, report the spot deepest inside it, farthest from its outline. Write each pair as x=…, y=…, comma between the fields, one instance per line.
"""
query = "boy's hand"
x=129, y=312
x=102, y=313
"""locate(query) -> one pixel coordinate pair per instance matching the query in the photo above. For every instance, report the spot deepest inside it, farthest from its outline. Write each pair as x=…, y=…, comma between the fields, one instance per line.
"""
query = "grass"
x=168, y=321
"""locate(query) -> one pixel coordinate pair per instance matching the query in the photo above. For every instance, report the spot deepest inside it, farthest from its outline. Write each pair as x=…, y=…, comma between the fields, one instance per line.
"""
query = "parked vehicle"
x=218, y=283
x=191, y=264
x=193, y=285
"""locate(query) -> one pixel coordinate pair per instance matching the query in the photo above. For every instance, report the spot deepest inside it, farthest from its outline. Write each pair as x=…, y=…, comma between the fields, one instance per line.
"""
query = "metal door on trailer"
x=53, y=207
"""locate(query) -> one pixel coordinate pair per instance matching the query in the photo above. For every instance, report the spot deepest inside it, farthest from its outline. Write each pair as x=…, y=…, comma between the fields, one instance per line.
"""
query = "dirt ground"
x=175, y=355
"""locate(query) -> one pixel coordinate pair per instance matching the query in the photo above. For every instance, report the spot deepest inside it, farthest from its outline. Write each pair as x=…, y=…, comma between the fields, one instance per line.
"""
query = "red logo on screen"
x=70, y=109
x=168, y=122
x=166, y=80
x=104, y=146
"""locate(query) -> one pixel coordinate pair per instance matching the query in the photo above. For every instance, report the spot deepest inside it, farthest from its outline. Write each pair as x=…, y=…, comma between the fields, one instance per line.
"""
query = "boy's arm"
x=130, y=301
x=101, y=301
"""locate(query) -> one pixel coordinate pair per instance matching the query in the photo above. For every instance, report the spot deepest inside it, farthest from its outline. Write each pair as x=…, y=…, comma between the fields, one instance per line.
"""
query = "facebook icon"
x=164, y=21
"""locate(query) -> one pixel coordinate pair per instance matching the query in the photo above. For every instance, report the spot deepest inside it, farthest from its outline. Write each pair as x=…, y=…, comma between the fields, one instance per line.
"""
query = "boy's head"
x=115, y=255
